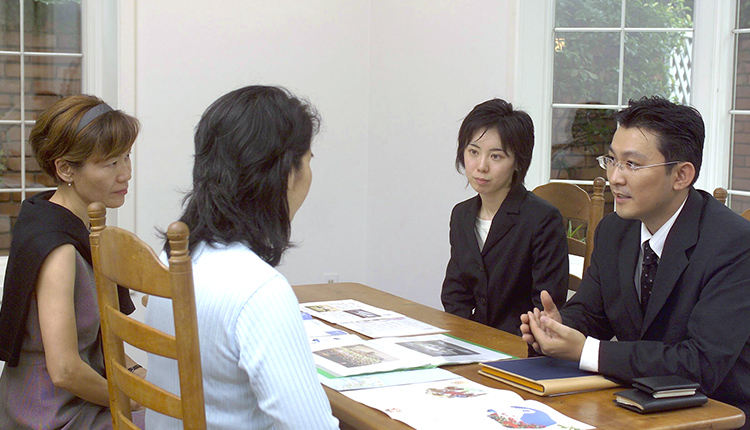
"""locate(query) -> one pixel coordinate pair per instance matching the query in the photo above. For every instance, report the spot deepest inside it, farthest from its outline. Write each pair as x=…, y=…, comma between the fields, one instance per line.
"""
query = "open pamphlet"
x=368, y=320
x=347, y=358
x=461, y=404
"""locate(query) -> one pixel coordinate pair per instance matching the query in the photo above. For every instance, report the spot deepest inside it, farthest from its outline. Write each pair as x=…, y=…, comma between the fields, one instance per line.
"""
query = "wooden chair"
x=121, y=258
x=577, y=207
x=720, y=194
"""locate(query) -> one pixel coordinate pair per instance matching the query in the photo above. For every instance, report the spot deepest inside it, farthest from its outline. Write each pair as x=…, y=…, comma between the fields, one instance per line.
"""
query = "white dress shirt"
x=258, y=371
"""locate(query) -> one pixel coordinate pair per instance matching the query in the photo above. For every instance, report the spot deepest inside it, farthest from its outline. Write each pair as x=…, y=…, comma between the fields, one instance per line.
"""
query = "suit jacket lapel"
x=469, y=224
x=626, y=267
x=674, y=260
x=505, y=217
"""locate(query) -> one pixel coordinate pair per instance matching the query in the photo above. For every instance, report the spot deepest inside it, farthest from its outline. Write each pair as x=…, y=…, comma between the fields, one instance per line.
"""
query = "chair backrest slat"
x=132, y=386
x=140, y=335
x=140, y=266
x=124, y=424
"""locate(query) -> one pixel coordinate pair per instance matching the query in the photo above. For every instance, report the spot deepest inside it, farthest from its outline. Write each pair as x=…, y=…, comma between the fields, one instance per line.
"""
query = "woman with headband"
x=49, y=320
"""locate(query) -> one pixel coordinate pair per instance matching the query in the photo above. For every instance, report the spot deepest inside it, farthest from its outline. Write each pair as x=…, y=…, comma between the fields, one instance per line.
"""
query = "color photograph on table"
x=355, y=356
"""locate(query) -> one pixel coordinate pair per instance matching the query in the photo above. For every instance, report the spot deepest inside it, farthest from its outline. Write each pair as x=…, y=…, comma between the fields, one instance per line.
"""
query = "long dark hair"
x=246, y=145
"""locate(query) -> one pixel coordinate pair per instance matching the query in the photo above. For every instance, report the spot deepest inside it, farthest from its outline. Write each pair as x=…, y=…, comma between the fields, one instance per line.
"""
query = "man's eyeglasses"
x=606, y=162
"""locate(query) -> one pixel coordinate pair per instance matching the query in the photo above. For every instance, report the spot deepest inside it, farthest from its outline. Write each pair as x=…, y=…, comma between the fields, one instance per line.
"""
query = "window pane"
x=11, y=160
x=740, y=177
x=588, y=13
x=8, y=213
x=739, y=204
x=578, y=137
x=10, y=87
x=9, y=138
x=743, y=16
x=658, y=63
x=10, y=27
x=52, y=26
x=659, y=13
x=586, y=68
x=10, y=205
x=742, y=73
x=48, y=79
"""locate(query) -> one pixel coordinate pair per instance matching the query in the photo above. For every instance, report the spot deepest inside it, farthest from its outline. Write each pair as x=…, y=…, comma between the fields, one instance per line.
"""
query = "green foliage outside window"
x=647, y=54
x=587, y=66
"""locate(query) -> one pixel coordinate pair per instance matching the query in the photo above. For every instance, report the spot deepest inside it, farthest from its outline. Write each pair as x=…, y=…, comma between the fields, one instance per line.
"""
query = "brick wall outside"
x=740, y=176
x=50, y=28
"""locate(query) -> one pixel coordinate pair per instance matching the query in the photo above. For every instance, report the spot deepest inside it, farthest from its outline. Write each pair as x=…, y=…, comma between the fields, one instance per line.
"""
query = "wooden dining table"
x=593, y=407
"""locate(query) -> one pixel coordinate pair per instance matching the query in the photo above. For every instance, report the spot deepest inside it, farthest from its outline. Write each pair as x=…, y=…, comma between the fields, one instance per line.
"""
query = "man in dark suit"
x=670, y=270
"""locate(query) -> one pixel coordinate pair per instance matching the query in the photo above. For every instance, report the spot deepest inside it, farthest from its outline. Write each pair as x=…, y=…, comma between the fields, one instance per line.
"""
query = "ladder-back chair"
x=121, y=258
x=720, y=194
x=577, y=208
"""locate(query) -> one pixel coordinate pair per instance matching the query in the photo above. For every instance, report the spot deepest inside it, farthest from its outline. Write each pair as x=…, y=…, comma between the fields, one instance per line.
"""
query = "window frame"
x=732, y=112
x=109, y=45
x=107, y=70
x=712, y=83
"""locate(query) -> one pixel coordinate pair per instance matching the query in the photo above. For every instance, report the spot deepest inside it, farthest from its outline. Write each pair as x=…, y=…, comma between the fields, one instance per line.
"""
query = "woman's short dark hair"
x=680, y=128
x=515, y=128
x=55, y=134
x=246, y=145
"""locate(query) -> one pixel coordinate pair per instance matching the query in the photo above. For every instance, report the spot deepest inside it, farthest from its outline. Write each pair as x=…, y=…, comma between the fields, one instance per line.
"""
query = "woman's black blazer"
x=526, y=251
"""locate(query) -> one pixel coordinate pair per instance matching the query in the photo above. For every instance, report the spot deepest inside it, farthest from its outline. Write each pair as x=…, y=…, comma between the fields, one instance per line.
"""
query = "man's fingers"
x=551, y=326
x=547, y=302
x=536, y=347
x=534, y=324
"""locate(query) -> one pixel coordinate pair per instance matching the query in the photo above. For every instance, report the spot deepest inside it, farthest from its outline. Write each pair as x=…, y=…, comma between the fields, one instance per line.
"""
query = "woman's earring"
x=70, y=184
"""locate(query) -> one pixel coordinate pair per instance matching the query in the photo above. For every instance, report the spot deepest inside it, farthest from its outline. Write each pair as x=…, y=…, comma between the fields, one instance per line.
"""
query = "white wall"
x=392, y=81
x=191, y=52
x=431, y=63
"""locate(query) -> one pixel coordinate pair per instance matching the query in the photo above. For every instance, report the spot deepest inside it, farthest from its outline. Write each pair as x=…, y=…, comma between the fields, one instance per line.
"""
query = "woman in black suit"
x=507, y=244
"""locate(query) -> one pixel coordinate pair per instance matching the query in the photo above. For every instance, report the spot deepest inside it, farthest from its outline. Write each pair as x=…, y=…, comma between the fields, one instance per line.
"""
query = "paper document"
x=441, y=349
x=339, y=311
x=320, y=332
x=368, y=320
x=462, y=404
x=392, y=353
x=387, y=379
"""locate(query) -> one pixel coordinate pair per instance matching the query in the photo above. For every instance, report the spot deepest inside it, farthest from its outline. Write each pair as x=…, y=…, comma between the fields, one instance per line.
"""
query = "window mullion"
x=22, y=68
x=621, y=76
